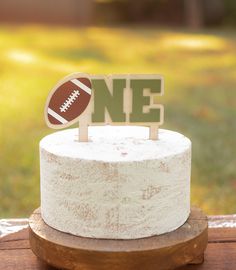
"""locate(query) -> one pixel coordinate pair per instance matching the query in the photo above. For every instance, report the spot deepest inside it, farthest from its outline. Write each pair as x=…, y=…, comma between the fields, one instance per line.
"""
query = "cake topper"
x=126, y=99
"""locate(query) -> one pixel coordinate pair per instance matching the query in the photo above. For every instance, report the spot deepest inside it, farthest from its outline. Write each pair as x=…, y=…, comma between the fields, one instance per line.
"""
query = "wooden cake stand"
x=183, y=246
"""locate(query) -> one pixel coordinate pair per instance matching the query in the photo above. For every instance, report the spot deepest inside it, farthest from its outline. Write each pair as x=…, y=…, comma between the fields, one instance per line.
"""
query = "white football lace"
x=69, y=101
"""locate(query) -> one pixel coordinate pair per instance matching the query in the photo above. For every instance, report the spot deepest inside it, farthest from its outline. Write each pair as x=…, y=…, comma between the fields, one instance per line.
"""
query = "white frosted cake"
x=119, y=185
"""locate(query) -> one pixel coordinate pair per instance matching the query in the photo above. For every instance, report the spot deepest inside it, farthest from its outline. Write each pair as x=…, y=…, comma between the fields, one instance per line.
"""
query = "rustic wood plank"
x=9, y=226
x=225, y=235
x=220, y=253
x=223, y=221
x=20, y=235
x=18, y=244
x=21, y=259
x=218, y=256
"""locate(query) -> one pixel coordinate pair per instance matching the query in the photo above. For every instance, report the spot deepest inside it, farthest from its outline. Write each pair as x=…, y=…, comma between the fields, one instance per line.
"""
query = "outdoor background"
x=192, y=43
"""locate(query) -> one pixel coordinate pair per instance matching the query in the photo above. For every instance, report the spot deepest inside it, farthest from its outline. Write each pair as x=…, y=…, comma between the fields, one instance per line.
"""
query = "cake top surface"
x=115, y=144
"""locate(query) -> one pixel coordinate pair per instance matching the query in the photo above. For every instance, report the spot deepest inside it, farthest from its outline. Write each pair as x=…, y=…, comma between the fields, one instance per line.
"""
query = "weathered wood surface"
x=15, y=252
x=166, y=251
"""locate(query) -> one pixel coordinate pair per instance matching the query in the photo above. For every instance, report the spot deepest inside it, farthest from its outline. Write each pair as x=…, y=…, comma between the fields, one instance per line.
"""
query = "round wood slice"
x=167, y=251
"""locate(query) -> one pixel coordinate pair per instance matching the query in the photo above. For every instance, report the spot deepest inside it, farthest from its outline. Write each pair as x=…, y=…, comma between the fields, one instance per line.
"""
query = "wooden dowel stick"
x=83, y=132
x=153, y=133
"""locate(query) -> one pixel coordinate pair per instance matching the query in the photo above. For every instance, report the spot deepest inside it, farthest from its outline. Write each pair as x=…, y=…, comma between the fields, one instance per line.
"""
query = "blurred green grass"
x=200, y=99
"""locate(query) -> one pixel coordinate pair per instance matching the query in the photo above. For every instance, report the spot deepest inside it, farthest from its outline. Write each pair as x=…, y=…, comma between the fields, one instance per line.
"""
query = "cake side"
x=121, y=186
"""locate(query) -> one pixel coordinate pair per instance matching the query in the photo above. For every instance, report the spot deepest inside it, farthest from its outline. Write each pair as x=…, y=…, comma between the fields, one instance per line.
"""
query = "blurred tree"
x=47, y=11
x=194, y=13
x=214, y=12
x=85, y=10
x=230, y=12
x=137, y=12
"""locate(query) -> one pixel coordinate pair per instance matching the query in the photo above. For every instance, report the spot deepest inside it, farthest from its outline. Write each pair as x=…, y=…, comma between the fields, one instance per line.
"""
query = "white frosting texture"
x=120, y=185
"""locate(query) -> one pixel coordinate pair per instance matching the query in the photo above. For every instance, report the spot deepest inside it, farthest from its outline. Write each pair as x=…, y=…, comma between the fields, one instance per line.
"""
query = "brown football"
x=67, y=101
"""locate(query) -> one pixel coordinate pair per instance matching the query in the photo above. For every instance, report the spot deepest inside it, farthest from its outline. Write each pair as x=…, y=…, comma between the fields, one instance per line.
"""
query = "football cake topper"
x=67, y=101
x=99, y=100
